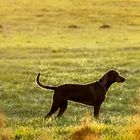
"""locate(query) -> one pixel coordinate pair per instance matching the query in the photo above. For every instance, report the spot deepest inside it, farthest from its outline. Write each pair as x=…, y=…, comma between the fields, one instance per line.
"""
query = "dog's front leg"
x=96, y=111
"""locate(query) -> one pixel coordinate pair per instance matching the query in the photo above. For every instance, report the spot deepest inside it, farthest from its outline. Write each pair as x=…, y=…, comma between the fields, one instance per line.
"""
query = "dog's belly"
x=82, y=99
x=83, y=102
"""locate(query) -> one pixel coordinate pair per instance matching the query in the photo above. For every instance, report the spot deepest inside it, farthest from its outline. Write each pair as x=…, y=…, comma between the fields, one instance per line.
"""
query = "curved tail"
x=43, y=86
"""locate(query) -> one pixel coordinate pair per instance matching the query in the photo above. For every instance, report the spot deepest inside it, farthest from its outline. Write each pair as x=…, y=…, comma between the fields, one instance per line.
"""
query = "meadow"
x=66, y=42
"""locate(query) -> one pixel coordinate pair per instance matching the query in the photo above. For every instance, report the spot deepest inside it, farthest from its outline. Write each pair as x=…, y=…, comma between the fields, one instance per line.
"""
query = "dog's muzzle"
x=120, y=79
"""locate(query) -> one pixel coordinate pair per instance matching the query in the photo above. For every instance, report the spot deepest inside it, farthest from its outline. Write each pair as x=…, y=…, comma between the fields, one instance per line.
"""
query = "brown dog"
x=90, y=94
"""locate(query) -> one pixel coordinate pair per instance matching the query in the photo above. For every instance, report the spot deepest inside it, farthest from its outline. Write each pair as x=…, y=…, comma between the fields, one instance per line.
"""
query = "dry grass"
x=133, y=131
x=45, y=136
x=5, y=133
x=85, y=131
x=2, y=120
x=136, y=132
x=136, y=128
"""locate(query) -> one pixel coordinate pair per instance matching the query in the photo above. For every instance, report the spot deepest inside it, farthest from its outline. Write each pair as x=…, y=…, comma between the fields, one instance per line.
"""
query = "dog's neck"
x=105, y=84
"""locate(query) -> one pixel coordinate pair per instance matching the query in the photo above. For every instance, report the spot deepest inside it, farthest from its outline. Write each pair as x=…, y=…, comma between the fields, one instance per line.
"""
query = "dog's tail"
x=44, y=86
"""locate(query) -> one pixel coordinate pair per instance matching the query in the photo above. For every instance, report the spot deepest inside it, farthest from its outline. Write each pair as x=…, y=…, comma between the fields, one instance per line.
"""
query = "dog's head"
x=113, y=76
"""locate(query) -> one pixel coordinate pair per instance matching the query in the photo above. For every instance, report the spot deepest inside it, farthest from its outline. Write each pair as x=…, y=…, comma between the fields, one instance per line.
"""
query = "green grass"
x=36, y=36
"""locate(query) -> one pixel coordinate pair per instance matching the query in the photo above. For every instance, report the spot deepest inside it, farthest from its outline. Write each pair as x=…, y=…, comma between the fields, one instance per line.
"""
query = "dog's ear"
x=112, y=76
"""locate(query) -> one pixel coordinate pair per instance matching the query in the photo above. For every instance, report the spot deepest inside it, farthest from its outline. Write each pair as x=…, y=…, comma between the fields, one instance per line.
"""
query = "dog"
x=92, y=94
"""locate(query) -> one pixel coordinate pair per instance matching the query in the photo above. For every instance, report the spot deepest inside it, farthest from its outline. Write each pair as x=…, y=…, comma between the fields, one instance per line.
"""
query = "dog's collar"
x=100, y=83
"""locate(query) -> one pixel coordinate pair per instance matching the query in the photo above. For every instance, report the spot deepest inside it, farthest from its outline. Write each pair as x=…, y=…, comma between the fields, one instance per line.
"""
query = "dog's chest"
x=98, y=94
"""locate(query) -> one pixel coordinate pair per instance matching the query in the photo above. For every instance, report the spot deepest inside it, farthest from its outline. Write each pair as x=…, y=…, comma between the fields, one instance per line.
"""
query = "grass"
x=5, y=133
x=64, y=42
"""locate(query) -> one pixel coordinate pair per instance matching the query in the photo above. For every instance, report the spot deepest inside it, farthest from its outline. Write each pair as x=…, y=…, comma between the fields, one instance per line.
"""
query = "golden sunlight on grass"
x=136, y=132
x=45, y=136
x=5, y=133
x=136, y=127
x=85, y=132
x=2, y=120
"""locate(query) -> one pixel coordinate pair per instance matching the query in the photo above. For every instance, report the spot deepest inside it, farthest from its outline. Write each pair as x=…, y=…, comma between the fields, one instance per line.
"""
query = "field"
x=66, y=42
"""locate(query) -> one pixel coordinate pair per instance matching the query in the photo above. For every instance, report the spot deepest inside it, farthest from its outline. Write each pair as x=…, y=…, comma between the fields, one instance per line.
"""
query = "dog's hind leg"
x=55, y=105
x=52, y=110
x=62, y=108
